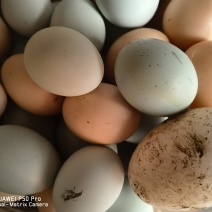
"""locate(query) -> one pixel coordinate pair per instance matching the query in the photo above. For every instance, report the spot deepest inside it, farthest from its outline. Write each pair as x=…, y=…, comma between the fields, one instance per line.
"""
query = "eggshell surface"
x=93, y=174
x=28, y=162
x=169, y=169
x=69, y=14
x=27, y=94
x=156, y=77
x=188, y=22
x=201, y=56
x=130, y=13
x=27, y=17
x=102, y=116
x=63, y=61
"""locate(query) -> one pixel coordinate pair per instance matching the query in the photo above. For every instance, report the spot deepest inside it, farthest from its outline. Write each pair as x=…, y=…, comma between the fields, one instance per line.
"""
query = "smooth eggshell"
x=201, y=56
x=101, y=116
x=91, y=24
x=188, y=22
x=27, y=17
x=124, y=40
x=63, y=61
x=93, y=174
x=171, y=168
x=25, y=92
x=28, y=162
x=134, y=13
x=155, y=77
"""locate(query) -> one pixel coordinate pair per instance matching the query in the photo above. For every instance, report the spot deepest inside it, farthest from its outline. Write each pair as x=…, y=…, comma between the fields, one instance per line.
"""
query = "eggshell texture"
x=63, y=61
x=188, y=22
x=201, y=56
x=155, y=77
x=124, y=40
x=28, y=162
x=3, y=99
x=5, y=39
x=68, y=13
x=93, y=174
x=128, y=201
x=134, y=13
x=25, y=92
x=101, y=116
x=171, y=168
x=27, y=17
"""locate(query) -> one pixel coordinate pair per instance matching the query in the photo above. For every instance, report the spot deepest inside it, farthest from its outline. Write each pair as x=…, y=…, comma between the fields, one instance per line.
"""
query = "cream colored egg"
x=63, y=61
x=90, y=180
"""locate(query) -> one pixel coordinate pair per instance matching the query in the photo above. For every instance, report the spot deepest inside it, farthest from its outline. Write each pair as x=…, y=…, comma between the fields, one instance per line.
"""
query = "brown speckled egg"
x=102, y=116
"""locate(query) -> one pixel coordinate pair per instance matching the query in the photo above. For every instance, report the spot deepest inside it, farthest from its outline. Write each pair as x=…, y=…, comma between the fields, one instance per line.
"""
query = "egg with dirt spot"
x=171, y=169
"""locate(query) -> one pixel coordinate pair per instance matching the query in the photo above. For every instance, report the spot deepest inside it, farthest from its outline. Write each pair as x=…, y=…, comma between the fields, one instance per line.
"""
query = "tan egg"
x=44, y=200
x=124, y=40
x=102, y=116
x=25, y=92
x=5, y=39
x=63, y=61
x=201, y=56
x=188, y=22
x=3, y=99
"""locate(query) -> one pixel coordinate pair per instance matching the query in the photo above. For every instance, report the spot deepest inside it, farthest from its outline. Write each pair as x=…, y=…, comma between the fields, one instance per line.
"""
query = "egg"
x=124, y=40
x=68, y=13
x=170, y=167
x=155, y=77
x=129, y=201
x=201, y=56
x=188, y=22
x=134, y=13
x=25, y=92
x=63, y=61
x=93, y=174
x=102, y=116
x=28, y=162
x=27, y=17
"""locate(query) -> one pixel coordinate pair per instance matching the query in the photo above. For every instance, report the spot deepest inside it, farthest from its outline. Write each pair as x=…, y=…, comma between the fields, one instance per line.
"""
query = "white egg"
x=91, y=179
x=68, y=13
x=156, y=77
x=28, y=162
x=128, y=201
x=128, y=13
x=27, y=17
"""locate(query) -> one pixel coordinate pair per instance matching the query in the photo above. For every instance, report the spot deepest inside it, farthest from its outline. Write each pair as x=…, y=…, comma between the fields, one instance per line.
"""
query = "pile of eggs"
x=106, y=105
